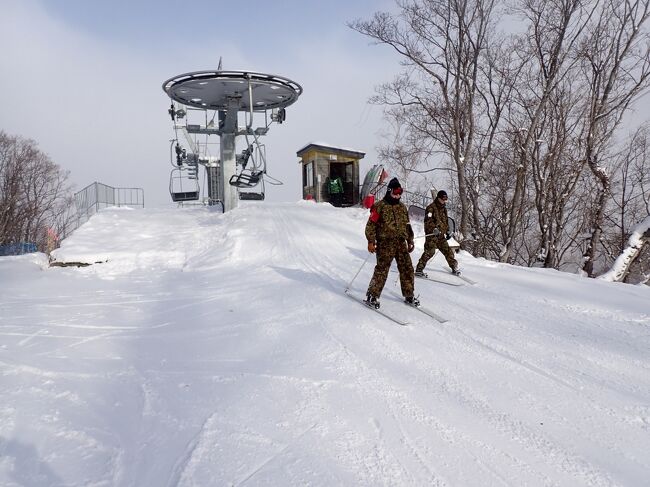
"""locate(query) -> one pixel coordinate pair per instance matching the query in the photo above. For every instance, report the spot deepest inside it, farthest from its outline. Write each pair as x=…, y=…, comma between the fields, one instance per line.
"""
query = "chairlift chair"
x=251, y=196
x=245, y=179
x=177, y=192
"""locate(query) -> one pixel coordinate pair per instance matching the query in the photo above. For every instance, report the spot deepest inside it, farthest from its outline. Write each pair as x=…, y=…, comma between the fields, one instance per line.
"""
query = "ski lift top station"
x=226, y=93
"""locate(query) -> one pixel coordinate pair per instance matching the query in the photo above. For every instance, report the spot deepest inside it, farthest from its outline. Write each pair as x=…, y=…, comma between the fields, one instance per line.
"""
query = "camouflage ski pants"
x=387, y=250
x=430, y=246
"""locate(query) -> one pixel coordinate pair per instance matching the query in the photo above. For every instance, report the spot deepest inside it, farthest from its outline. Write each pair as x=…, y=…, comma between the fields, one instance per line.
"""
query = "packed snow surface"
x=203, y=349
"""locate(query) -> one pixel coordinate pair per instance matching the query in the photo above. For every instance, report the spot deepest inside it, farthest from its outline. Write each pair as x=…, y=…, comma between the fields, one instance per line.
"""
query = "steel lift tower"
x=226, y=94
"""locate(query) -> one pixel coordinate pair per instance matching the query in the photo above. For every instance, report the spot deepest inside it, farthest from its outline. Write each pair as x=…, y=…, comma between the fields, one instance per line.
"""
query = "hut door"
x=343, y=170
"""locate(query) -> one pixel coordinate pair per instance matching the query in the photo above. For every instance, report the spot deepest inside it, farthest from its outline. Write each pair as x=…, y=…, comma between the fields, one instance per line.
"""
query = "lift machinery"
x=220, y=97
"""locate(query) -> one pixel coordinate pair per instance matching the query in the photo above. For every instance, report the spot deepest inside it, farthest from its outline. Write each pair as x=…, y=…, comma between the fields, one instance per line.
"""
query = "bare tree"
x=615, y=59
x=545, y=51
x=629, y=204
x=556, y=174
x=441, y=44
x=525, y=124
x=405, y=154
x=34, y=194
x=498, y=74
x=630, y=200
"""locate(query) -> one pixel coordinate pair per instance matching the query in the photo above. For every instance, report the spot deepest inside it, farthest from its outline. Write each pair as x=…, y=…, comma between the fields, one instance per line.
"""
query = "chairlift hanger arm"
x=250, y=102
x=172, y=142
x=259, y=156
x=189, y=140
x=276, y=182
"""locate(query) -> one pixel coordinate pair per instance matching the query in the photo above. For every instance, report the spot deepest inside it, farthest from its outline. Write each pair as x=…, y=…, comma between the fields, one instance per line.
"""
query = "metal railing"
x=96, y=196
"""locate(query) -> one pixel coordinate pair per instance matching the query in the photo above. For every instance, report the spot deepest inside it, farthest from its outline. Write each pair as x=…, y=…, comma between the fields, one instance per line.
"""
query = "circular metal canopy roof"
x=213, y=90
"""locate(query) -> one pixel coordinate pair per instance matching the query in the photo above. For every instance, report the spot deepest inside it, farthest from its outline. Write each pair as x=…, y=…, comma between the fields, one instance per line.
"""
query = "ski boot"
x=455, y=271
x=421, y=274
x=372, y=301
x=411, y=301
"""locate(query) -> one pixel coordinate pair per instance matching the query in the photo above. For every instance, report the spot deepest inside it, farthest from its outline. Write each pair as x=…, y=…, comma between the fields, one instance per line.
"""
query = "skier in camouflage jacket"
x=390, y=235
x=436, y=226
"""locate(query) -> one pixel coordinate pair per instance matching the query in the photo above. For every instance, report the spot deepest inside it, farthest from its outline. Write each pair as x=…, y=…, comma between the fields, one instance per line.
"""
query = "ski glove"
x=436, y=232
x=447, y=235
x=371, y=247
x=411, y=246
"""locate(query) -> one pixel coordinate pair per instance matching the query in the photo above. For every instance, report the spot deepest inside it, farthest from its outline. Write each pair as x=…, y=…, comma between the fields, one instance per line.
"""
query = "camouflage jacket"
x=388, y=222
x=435, y=216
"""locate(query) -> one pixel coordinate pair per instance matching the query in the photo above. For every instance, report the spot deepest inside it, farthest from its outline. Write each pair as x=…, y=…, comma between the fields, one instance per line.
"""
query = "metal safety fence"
x=97, y=196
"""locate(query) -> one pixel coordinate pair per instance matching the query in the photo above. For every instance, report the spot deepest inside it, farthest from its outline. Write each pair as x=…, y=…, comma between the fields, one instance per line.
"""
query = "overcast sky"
x=84, y=79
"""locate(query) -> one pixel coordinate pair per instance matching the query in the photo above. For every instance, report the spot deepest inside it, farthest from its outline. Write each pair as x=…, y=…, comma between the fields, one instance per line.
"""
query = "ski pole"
x=355, y=276
x=427, y=235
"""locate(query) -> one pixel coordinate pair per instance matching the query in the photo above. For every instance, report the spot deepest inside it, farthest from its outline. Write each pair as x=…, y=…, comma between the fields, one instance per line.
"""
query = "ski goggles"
x=397, y=191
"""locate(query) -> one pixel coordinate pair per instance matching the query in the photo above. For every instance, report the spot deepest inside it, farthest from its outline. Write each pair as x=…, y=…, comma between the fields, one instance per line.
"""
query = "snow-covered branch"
x=640, y=237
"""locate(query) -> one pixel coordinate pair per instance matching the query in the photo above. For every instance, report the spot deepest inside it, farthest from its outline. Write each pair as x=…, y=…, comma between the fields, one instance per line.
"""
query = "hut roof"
x=346, y=152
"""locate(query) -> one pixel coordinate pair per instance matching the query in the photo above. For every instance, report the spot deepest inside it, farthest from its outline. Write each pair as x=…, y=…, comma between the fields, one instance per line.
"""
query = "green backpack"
x=336, y=186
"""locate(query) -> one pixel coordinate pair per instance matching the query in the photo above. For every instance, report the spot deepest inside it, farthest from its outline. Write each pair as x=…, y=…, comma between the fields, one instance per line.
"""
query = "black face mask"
x=390, y=200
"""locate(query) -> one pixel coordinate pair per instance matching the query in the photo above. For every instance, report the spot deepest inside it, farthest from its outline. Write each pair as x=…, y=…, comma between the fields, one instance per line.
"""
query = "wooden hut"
x=322, y=163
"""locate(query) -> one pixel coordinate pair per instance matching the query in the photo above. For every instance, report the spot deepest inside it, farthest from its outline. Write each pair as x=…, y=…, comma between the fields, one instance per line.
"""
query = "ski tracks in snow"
x=477, y=331
x=392, y=456
x=332, y=394
x=520, y=445
x=307, y=252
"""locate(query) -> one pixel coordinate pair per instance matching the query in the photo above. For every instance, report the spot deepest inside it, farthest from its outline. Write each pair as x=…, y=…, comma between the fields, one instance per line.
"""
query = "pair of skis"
x=440, y=279
x=426, y=311
x=393, y=318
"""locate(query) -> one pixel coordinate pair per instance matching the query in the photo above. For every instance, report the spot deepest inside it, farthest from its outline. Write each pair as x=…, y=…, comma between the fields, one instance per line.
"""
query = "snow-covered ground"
x=210, y=350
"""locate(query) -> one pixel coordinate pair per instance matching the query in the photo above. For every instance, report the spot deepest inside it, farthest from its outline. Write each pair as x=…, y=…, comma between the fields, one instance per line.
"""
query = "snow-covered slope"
x=211, y=349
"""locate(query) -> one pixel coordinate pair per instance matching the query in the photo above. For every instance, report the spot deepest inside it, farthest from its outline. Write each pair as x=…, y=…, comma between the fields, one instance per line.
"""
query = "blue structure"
x=17, y=249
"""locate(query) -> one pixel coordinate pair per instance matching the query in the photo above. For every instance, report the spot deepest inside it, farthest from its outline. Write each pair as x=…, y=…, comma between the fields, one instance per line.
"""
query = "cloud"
x=96, y=106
